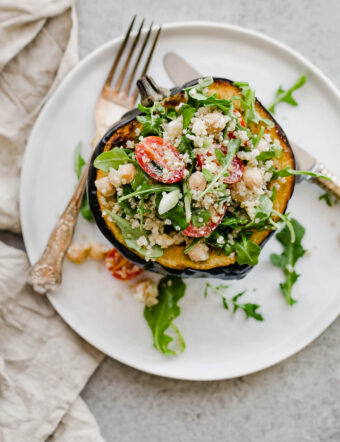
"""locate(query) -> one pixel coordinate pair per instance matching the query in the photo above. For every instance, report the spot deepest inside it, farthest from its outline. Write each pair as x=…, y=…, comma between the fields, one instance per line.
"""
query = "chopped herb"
x=292, y=251
x=286, y=96
x=160, y=317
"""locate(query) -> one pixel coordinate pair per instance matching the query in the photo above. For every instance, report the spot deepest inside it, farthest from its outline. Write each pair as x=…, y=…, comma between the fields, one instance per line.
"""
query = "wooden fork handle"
x=45, y=275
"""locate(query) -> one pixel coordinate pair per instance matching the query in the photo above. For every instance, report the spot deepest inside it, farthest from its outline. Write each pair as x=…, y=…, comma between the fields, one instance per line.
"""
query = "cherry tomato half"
x=160, y=160
x=198, y=232
x=236, y=167
x=120, y=267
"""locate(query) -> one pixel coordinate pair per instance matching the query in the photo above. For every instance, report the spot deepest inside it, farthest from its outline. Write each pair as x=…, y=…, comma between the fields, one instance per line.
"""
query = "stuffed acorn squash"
x=191, y=184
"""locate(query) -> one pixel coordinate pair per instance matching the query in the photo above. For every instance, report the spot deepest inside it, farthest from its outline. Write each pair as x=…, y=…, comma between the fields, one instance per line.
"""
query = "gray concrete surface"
x=297, y=400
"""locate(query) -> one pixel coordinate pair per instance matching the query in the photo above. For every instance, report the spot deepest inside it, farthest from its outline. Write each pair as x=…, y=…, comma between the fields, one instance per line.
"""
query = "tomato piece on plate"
x=120, y=267
x=236, y=167
x=160, y=159
x=198, y=232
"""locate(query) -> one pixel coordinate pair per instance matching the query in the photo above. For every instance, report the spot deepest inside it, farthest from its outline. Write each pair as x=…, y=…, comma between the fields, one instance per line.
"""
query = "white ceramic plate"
x=219, y=344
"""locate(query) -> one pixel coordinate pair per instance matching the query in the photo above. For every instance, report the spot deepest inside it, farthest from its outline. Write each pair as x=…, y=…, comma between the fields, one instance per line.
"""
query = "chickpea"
x=78, y=253
x=115, y=178
x=197, y=181
x=199, y=253
x=98, y=251
x=127, y=172
x=104, y=186
x=252, y=177
x=175, y=127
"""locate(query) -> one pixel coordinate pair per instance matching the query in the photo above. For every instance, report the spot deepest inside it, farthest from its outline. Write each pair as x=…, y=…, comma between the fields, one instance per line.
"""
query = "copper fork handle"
x=333, y=186
x=45, y=275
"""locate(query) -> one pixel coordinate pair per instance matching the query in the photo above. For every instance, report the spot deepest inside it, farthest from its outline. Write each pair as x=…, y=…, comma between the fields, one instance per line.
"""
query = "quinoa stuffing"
x=199, y=174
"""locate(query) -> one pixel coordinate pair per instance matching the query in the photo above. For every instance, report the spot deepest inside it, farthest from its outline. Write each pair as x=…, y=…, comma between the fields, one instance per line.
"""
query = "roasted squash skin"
x=173, y=260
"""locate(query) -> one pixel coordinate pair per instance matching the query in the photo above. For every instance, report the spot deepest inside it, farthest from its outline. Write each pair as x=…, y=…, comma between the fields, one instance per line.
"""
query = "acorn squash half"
x=174, y=261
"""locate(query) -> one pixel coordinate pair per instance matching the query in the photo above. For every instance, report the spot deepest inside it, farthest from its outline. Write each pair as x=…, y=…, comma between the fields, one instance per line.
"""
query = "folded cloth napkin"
x=43, y=364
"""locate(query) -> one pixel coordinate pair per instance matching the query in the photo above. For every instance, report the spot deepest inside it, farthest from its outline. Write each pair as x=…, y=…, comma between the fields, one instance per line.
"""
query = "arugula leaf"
x=187, y=112
x=287, y=171
x=257, y=138
x=233, y=147
x=187, y=196
x=248, y=104
x=140, y=179
x=203, y=83
x=292, y=251
x=248, y=308
x=147, y=189
x=247, y=251
x=85, y=209
x=329, y=199
x=160, y=317
x=286, y=96
x=152, y=120
x=200, y=217
x=272, y=152
x=217, y=288
x=262, y=212
x=112, y=158
x=79, y=161
x=131, y=236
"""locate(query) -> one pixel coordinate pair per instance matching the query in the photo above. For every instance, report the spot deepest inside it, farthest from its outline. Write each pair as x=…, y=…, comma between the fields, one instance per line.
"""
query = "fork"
x=113, y=101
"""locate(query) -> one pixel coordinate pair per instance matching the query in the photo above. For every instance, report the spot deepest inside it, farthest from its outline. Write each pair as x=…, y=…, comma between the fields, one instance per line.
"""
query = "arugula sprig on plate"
x=292, y=251
x=160, y=317
x=248, y=308
x=79, y=164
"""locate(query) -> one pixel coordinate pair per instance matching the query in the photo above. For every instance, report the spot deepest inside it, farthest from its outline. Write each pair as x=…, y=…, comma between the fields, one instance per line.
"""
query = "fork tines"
x=117, y=87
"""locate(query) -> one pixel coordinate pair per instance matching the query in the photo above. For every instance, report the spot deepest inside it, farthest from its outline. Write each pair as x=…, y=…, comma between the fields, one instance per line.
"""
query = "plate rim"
x=163, y=371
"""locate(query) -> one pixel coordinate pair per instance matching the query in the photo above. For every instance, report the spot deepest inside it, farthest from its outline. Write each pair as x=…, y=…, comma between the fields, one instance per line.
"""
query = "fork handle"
x=45, y=275
x=333, y=186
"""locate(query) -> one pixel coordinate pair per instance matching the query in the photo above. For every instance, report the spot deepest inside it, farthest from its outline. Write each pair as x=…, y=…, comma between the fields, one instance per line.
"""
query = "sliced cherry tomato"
x=198, y=232
x=120, y=267
x=160, y=160
x=236, y=167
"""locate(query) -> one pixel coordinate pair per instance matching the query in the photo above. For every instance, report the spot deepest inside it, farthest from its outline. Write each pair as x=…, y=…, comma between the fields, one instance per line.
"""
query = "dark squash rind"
x=232, y=271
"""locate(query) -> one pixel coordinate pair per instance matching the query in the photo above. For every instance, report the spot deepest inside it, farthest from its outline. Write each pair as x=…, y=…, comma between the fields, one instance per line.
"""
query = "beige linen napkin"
x=43, y=364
